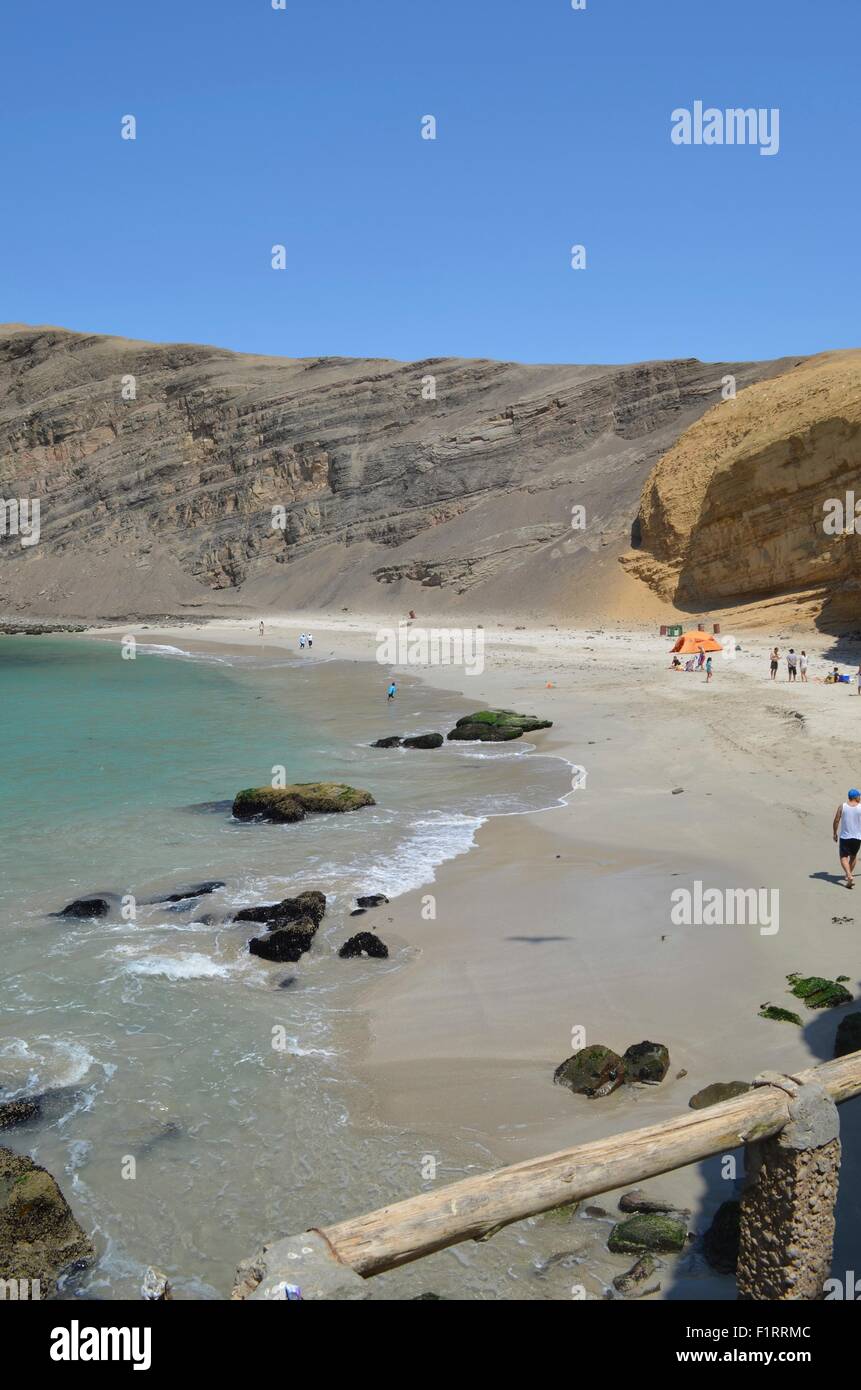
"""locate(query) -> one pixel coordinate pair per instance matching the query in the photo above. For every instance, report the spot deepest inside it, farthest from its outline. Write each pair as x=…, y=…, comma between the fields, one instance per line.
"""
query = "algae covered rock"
x=288, y=804
x=424, y=741
x=848, y=1037
x=496, y=726
x=19, y=1112
x=655, y=1231
x=716, y=1092
x=364, y=943
x=39, y=1237
x=646, y=1062
x=593, y=1071
x=630, y=1284
x=310, y=904
x=819, y=993
x=284, y=943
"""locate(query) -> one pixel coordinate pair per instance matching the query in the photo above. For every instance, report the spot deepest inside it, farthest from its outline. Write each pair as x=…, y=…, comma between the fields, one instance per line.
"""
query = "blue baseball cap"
x=853, y=794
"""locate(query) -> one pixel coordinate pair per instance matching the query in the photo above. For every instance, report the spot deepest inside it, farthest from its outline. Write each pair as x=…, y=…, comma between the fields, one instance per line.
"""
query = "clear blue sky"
x=302, y=127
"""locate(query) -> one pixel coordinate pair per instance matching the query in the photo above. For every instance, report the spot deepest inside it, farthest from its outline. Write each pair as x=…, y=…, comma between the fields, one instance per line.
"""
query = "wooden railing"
x=478, y=1206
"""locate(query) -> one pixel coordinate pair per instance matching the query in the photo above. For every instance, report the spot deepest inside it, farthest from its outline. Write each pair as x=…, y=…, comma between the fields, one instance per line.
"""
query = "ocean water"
x=199, y=1100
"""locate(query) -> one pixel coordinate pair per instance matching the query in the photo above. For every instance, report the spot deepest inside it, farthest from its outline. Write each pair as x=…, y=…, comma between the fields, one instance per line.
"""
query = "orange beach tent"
x=692, y=642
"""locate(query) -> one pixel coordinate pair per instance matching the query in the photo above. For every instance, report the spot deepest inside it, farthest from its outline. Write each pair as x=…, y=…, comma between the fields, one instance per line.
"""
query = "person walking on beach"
x=802, y=666
x=775, y=657
x=791, y=664
x=261, y=629
x=708, y=669
x=301, y=641
x=392, y=690
x=847, y=833
x=310, y=640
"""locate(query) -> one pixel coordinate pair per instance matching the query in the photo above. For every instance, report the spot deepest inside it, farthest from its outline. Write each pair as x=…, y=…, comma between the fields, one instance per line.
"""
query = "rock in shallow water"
x=593, y=1071
x=496, y=726
x=372, y=900
x=646, y=1062
x=284, y=943
x=647, y=1231
x=310, y=904
x=18, y=1112
x=85, y=909
x=364, y=944
x=39, y=1237
x=287, y=804
x=392, y=741
x=424, y=741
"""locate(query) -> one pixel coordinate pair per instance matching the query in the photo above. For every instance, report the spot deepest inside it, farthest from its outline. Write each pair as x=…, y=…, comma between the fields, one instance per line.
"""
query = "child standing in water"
x=392, y=690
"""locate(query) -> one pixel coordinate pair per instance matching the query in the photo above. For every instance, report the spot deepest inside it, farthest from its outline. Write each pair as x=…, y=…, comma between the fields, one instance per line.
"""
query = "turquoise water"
x=152, y=1038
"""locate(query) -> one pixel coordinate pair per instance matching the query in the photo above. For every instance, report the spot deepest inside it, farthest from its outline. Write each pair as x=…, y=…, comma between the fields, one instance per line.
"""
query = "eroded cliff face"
x=160, y=471
x=742, y=507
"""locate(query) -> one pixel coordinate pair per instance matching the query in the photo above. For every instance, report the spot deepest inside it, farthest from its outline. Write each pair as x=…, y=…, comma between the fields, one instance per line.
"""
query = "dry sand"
x=562, y=919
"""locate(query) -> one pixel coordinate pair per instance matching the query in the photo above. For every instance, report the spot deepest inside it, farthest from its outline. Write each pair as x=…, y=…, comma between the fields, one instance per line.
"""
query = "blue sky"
x=302, y=127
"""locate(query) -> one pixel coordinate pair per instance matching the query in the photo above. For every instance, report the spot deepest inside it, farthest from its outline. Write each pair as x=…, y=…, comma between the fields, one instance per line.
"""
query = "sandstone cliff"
x=740, y=509
x=158, y=468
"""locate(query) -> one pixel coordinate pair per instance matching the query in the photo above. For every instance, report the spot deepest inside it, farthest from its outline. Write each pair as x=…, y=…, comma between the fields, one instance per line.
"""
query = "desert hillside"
x=741, y=509
x=445, y=485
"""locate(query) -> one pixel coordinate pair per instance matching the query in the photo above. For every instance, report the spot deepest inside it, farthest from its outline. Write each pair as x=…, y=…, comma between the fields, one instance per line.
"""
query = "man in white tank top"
x=847, y=833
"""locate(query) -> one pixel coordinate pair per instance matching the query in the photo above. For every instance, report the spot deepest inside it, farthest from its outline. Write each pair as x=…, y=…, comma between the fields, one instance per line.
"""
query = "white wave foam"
x=42, y=1064
x=194, y=966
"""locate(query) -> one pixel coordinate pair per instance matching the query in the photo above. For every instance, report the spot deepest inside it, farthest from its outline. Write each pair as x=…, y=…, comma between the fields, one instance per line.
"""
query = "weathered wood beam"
x=475, y=1207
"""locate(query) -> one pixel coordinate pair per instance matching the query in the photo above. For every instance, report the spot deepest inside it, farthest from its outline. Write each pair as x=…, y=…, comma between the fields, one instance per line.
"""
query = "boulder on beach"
x=716, y=1092
x=593, y=1071
x=39, y=1237
x=424, y=741
x=284, y=943
x=657, y=1231
x=288, y=804
x=371, y=900
x=364, y=943
x=848, y=1037
x=646, y=1062
x=18, y=1112
x=496, y=726
x=392, y=741
x=310, y=904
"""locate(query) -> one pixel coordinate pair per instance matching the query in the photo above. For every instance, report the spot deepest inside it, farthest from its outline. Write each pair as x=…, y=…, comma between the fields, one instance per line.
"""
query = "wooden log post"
x=787, y=1208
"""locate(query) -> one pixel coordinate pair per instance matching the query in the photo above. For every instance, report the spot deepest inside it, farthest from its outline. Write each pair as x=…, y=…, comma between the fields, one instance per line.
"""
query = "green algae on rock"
x=39, y=1237
x=287, y=804
x=593, y=1071
x=819, y=993
x=646, y=1062
x=779, y=1015
x=496, y=726
x=647, y=1231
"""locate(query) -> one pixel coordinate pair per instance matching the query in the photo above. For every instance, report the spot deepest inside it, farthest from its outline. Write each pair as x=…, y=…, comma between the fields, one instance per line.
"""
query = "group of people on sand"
x=796, y=664
x=699, y=662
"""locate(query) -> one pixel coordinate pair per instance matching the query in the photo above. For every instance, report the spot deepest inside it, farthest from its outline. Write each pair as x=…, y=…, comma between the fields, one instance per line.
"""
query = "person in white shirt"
x=847, y=833
x=802, y=666
x=791, y=663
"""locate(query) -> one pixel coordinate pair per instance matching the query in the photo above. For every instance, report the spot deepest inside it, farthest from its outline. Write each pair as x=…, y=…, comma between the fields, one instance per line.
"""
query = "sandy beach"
x=561, y=920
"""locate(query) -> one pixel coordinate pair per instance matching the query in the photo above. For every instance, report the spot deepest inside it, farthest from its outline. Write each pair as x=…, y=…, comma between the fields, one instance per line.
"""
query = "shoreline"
x=530, y=937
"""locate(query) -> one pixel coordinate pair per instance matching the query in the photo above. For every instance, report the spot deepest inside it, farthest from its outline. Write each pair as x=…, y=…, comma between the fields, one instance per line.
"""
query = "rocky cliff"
x=186, y=479
x=751, y=501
